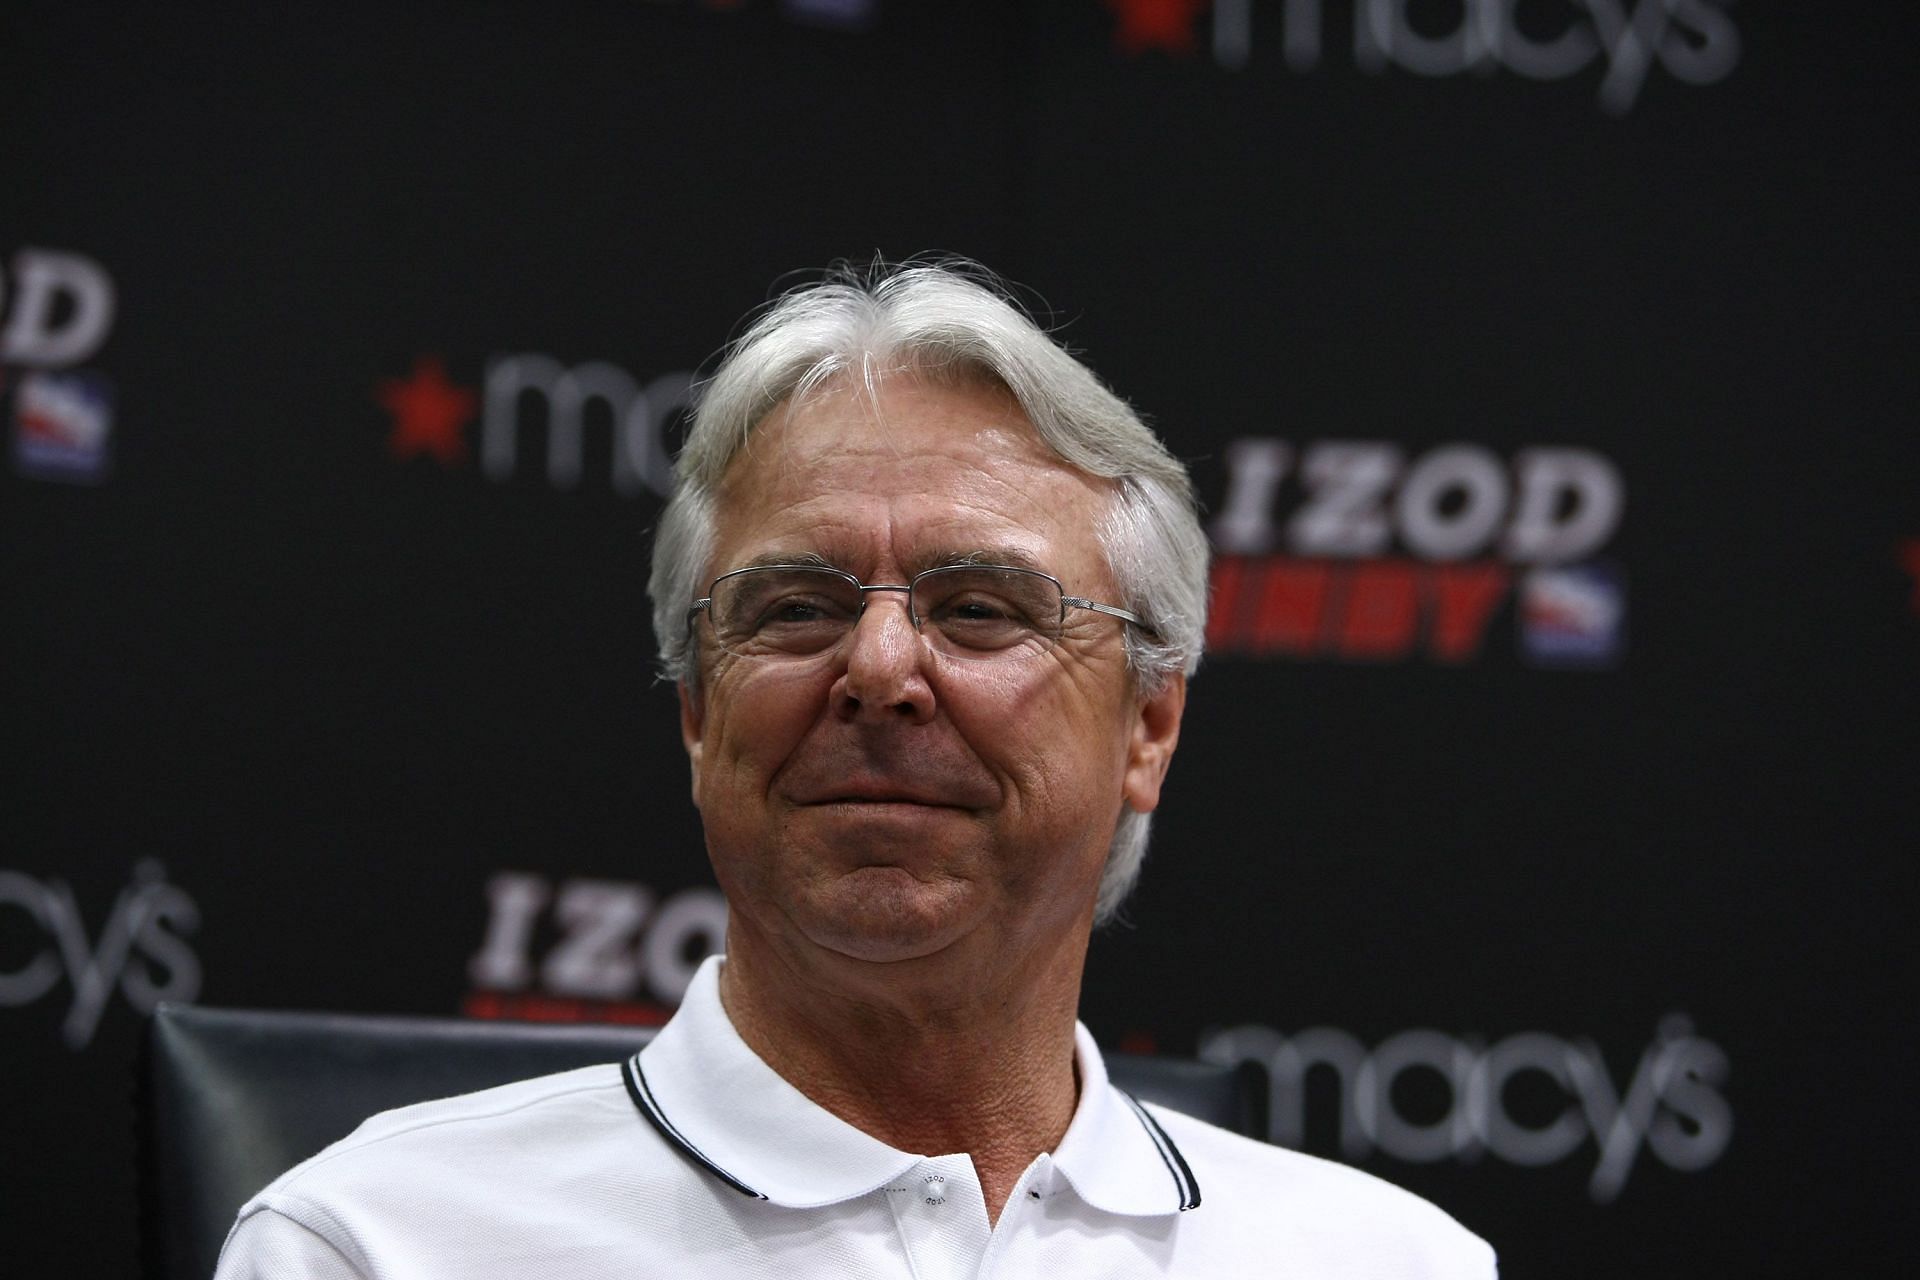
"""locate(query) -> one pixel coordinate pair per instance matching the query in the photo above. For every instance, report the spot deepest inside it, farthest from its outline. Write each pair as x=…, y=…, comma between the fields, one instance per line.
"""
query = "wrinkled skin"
x=882, y=804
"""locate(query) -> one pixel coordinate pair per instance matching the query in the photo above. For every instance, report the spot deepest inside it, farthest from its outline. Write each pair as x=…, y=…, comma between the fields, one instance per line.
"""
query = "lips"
x=856, y=773
x=881, y=793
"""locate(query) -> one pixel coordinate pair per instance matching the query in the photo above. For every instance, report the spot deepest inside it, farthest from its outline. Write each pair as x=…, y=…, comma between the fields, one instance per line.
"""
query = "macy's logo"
x=1530, y=1099
x=526, y=395
x=1695, y=41
x=141, y=947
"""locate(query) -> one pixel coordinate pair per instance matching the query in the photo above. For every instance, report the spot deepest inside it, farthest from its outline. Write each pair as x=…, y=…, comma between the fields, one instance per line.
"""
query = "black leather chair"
x=231, y=1098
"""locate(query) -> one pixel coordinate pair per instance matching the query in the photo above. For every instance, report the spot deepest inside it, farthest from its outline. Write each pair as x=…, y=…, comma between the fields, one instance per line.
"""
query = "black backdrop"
x=1544, y=816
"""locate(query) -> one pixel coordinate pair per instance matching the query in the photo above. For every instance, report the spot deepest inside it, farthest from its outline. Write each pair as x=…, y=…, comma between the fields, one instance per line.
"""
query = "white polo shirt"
x=694, y=1159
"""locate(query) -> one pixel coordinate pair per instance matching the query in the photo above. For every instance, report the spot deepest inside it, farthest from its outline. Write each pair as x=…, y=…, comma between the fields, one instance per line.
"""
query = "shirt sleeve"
x=265, y=1245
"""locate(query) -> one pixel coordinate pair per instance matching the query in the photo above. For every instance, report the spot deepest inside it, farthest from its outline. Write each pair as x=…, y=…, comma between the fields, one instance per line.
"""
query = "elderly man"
x=931, y=594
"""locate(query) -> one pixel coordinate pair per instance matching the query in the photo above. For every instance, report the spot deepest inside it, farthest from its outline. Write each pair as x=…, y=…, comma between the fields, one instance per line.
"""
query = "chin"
x=883, y=915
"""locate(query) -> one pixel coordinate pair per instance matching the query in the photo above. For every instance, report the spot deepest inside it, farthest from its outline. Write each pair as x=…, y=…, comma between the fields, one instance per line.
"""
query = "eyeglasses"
x=979, y=612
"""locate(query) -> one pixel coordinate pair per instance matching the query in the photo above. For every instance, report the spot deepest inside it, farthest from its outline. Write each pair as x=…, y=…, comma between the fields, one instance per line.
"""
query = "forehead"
x=905, y=477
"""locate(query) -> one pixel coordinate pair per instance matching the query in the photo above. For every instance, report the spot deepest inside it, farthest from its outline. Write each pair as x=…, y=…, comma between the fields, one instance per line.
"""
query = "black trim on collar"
x=636, y=1082
x=1183, y=1179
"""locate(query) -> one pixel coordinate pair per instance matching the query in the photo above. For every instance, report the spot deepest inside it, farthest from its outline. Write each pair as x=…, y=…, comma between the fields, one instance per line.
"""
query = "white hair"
x=949, y=322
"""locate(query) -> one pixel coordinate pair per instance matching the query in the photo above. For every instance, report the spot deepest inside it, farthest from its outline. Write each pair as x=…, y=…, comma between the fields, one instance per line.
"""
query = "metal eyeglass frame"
x=705, y=603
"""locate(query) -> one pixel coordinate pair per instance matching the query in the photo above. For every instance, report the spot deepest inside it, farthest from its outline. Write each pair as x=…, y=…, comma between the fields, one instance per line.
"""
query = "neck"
x=925, y=1059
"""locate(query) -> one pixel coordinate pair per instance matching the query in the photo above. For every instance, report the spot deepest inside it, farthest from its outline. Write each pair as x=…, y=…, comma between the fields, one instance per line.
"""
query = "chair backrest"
x=232, y=1098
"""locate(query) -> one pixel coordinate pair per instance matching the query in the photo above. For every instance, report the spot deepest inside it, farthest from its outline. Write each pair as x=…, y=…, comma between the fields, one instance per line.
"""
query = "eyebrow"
x=806, y=559
x=1008, y=556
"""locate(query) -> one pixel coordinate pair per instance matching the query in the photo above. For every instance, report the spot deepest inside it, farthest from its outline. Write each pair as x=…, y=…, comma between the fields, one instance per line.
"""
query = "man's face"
x=882, y=802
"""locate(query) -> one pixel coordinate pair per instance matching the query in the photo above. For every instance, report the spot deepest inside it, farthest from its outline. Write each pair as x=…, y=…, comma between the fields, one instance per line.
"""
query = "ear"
x=1156, y=731
x=693, y=721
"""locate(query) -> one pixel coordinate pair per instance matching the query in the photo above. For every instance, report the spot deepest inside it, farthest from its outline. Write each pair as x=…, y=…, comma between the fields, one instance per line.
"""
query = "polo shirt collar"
x=1115, y=1154
x=710, y=1095
x=726, y=1110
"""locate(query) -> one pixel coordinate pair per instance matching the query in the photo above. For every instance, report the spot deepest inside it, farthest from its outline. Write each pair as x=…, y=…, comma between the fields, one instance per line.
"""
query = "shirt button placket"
x=942, y=1218
x=1009, y=1251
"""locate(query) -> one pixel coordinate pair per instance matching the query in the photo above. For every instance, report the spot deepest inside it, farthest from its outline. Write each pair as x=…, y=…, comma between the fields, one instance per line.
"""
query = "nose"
x=885, y=676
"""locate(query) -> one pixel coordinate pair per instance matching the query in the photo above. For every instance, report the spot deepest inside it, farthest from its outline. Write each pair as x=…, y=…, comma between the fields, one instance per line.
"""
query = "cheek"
x=1063, y=747
x=755, y=718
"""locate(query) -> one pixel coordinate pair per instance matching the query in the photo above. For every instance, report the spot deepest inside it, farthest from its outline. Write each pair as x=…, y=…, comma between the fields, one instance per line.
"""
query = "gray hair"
x=949, y=322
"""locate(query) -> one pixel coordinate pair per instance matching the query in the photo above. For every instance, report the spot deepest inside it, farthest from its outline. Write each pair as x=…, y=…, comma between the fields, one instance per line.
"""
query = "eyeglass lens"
x=966, y=611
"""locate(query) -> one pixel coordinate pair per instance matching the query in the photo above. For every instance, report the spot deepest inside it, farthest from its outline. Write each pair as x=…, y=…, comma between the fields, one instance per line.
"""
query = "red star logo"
x=429, y=413
x=1155, y=24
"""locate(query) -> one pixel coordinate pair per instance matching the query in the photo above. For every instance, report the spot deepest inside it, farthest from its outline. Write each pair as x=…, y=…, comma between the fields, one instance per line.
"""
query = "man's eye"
x=978, y=610
x=791, y=609
x=799, y=611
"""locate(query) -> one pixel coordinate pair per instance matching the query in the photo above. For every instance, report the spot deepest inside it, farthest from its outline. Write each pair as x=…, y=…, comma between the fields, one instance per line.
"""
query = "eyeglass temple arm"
x=1112, y=611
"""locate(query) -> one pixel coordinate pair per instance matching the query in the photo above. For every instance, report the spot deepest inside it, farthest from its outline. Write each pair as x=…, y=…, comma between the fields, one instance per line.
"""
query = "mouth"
x=877, y=793
x=869, y=799
x=853, y=781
